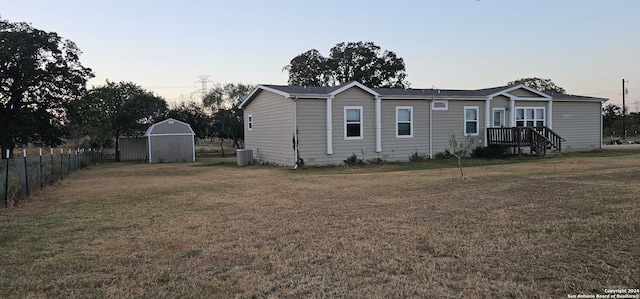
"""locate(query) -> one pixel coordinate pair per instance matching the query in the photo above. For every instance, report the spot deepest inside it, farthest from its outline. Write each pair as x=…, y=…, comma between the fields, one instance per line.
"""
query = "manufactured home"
x=326, y=125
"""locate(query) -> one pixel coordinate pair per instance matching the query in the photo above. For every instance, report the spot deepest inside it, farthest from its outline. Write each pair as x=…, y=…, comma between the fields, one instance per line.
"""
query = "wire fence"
x=27, y=173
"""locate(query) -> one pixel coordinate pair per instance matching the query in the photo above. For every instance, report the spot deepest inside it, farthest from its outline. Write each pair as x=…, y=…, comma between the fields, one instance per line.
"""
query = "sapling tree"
x=460, y=149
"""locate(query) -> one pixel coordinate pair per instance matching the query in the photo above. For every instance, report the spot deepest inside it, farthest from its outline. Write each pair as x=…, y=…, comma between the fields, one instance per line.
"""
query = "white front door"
x=498, y=118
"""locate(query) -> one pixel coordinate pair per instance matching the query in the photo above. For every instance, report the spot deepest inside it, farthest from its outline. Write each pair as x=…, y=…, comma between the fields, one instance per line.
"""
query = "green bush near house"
x=415, y=157
x=353, y=160
x=491, y=152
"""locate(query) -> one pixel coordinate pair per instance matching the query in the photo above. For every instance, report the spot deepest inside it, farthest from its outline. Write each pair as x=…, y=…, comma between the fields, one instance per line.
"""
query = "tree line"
x=44, y=99
x=612, y=122
x=106, y=113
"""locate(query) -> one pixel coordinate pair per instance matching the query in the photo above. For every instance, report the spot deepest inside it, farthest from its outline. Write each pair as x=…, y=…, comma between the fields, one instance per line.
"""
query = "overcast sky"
x=585, y=46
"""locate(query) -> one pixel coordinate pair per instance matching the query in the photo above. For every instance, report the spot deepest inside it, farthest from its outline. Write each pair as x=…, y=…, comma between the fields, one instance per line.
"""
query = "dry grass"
x=554, y=227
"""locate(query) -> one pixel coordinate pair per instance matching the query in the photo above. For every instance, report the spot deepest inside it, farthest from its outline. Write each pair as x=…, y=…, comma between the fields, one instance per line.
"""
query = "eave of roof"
x=321, y=92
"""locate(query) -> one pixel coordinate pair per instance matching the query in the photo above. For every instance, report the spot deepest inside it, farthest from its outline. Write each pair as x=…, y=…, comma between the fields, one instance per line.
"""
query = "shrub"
x=353, y=160
x=415, y=157
x=493, y=152
x=376, y=161
x=300, y=162
x=446, y=154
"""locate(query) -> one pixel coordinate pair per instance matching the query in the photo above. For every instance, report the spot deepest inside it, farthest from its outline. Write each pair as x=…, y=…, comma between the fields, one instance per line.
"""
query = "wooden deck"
x=539, y=139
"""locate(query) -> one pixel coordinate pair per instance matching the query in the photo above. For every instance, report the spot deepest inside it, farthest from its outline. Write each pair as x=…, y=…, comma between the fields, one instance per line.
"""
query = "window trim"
x=410, y=108
x=477, y=120
x=346, y=123
x=250, y=122
x=525, y=119
x=503, y=120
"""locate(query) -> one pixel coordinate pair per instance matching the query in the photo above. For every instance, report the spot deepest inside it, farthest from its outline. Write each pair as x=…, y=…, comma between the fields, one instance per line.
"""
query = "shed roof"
x=186, y=128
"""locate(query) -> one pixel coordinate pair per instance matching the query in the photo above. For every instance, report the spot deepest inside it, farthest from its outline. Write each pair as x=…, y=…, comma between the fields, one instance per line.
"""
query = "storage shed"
x=170, y=141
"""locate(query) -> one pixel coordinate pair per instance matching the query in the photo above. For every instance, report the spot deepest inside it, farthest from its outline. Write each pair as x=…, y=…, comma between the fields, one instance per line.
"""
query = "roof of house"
x=290, y=91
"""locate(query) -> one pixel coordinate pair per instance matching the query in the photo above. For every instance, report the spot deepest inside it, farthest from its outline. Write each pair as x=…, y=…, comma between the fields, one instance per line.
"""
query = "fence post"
x=26, y=173
x=41, y=169
x=69, y=164
x=61, y=175
x=6, y=183
x=51, y=164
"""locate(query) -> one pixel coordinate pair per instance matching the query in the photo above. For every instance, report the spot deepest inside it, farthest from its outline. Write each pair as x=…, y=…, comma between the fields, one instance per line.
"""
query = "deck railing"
x=538, y=138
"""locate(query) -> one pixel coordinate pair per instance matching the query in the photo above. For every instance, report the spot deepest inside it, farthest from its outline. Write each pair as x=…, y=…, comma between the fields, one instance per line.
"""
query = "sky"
x=587, y=47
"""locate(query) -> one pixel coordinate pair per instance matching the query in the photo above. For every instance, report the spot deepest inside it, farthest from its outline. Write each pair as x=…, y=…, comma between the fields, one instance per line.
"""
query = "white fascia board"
x=602, y=100
x=505, y=91
x=309, y=96
x=531, y=99
x=171, y=134
x=427, y=97
x=352, y=84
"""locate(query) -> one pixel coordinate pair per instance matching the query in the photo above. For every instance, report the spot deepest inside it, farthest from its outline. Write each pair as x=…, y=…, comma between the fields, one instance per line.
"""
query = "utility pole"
x=624, y=112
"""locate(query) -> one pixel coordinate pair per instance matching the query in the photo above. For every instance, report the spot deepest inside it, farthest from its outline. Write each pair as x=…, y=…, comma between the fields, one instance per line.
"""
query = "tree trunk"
x=222, y=147
x=117, y=149
x=460, y=165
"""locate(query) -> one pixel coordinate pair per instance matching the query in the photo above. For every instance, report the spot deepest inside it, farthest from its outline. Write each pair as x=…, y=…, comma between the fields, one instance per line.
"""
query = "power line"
x=202, y=92
x=597, y=70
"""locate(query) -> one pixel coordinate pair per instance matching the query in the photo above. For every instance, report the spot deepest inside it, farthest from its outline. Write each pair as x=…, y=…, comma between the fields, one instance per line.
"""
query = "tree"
x=117, y=109
x=309, y=69
x=460, y=149
x=40, y=73
x=610, y=114
x=226, y=96
x=196, y=117
x=544, y=85
x=354, y=61
x=228, y=125
x=223, y=102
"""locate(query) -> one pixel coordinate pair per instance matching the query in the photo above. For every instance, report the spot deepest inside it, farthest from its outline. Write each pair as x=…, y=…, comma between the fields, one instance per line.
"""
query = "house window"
x=352, y=122
x=250, y=122
x=498, y=118
x=530, y=117
x=471, y=120
x=404, y=122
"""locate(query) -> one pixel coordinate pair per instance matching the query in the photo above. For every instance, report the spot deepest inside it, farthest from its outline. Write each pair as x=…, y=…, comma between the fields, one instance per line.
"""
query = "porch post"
x=549, y=119
x=512, y=112
x=378, y=126
x=329, y=126
x=487, y=119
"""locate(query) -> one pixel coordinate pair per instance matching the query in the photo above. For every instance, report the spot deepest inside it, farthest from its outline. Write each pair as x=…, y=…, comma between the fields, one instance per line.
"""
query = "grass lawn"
x=539, y=228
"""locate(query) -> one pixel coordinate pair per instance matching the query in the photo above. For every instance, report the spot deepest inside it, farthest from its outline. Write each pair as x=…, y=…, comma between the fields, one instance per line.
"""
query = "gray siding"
x=342, y=148
x=500, y=102
x=312, y=130
x=399, y=149
x=133, y=149
x=521, y=92
x=271, y=137
x=578, y=123
x=171, y=148
x=448, y=122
